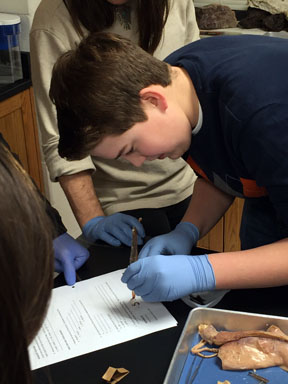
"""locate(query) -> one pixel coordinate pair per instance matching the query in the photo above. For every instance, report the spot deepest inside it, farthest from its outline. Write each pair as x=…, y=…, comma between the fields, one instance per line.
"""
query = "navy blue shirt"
x=242, y=86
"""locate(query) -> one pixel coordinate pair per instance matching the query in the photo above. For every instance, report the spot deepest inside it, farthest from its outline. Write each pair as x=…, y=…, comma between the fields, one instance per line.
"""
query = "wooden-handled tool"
x=134, y=249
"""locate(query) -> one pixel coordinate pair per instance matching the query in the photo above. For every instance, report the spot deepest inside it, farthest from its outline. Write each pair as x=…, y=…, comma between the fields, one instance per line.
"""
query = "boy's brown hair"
x=95, y=88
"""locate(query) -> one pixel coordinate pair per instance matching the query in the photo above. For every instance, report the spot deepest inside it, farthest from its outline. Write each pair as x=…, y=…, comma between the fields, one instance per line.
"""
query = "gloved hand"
x=69, y=255
x=179, y=241
x=114, y=229
x=162, y=278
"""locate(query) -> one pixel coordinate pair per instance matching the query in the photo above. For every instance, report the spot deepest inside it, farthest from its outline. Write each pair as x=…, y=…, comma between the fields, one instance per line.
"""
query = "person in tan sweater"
x=100, y=190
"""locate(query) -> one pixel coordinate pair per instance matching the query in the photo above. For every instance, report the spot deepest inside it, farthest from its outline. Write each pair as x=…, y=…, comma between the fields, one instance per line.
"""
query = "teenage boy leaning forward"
x=222, y=103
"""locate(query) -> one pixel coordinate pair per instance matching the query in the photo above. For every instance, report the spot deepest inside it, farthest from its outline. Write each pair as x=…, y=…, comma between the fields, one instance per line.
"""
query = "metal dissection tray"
x=186, y=368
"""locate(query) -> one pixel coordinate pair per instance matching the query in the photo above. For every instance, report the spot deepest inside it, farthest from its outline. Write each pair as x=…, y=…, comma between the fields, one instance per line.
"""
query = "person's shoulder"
x=50, y=15
x=247, y=41
x=52, y=25
x=176, y=6
x=181, y=11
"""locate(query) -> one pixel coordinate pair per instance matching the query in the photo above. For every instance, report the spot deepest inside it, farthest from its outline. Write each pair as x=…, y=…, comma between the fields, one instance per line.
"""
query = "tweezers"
x=134, y=246
x=134, y=252
x=261, y=380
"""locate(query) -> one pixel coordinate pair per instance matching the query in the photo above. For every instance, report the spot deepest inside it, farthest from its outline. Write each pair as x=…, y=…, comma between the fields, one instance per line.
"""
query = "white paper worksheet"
x=92, y=315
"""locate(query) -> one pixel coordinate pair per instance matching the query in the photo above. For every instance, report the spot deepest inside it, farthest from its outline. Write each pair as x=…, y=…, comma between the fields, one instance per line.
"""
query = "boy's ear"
x=154, y=94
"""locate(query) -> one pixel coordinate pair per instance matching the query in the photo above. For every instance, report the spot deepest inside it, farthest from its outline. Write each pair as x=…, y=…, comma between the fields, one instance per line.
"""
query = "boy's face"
x=166, y=133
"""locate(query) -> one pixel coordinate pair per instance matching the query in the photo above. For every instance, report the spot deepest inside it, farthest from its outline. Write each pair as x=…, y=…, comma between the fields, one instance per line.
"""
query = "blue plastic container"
x=10, y=54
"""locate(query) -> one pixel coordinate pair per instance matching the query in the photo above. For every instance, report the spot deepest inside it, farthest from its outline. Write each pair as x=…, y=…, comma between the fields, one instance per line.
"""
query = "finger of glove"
x=154, y=247
x=69, y=271
x=143, y=285
x=133, y=222
x=132, y=270
x=58, y=267
x=144, y=251
x=81, y=259
x=124, y=234
x=152, y=278
x=165, y=291
x=144, y=280
x=164, y=278
x=111, y=240
x=81, y=252
x=140, y=240
x=136, y=282
x=154, y=287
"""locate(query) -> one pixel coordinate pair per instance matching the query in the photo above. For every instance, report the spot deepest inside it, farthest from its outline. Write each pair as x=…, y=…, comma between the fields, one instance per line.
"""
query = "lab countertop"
x=9, y=90
x=147, y=358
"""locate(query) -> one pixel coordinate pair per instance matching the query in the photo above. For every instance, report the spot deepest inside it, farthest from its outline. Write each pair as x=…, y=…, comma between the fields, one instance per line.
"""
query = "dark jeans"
x=260, y=224
x=158, y=221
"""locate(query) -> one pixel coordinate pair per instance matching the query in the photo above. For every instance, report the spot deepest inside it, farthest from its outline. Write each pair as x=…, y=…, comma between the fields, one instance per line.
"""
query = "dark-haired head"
x=96, y=90
x=99, y=15
x=26, y=268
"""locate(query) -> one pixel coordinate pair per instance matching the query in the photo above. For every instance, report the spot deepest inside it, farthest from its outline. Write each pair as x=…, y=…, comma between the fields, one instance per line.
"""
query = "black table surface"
x=147, y=358
x=9, y=90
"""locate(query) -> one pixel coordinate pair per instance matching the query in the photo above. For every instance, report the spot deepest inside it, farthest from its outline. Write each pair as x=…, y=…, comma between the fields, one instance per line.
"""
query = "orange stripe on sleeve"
x=196, y=167
x=251, y=189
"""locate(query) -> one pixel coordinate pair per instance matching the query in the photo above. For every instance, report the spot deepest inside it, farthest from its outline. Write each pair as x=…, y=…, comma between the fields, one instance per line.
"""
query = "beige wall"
x=25, y=9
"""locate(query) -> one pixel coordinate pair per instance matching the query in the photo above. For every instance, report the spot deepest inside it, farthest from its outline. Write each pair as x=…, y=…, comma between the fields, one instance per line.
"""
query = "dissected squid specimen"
x=244, y=349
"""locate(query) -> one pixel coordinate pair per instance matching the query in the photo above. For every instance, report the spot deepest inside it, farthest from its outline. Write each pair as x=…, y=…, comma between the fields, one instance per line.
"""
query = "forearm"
x=208, y=204
x=80, y=192
x=265, y=266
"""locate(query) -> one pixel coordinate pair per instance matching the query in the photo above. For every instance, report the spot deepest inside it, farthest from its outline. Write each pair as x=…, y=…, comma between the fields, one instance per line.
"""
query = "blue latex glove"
x=114, y=229
x=69, y=255
x=162, y=278
x=177, y=242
